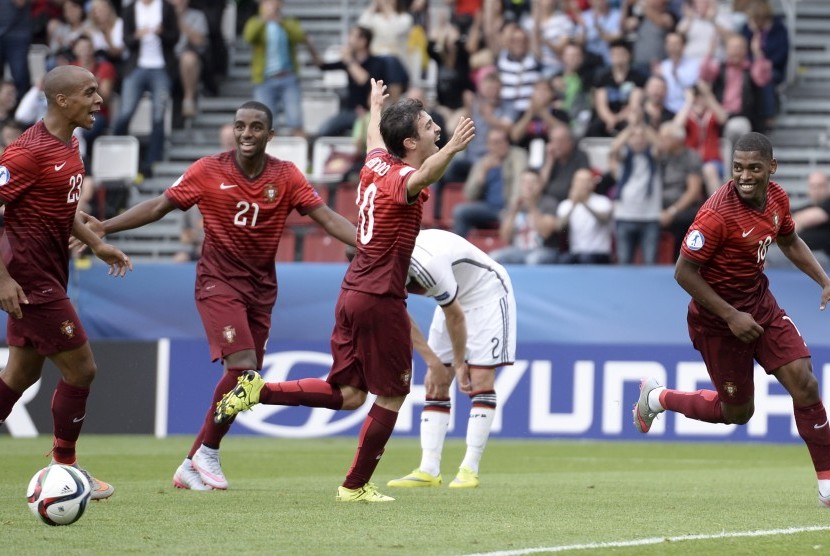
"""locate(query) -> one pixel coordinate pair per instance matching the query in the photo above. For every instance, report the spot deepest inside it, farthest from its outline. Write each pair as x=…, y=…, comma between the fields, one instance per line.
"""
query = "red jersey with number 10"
x=729, y=239
x=387, y=227
x=244, y=219
x=40, y=184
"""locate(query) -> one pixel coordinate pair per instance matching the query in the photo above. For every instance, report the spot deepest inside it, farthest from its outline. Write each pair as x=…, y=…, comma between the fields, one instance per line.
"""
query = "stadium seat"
x=292, y=149
x=37, y=61
x=665, y=250
x=317, y=109
x=319, y=247
x=428, y=219
x=344, y=201
x=486, y=240
x=452, y=195
x=115, y=157
x=334, y=80
x=323, y=150
x=287, y=250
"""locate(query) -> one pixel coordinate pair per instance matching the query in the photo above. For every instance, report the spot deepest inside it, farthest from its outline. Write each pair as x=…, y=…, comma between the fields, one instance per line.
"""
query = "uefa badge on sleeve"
x=5, y=176
x=695, y=240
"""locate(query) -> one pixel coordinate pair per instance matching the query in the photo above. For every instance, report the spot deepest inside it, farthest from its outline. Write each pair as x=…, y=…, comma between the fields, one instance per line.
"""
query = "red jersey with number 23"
x=729, y=239
x=244, y=219
x=387, y=227
x=40, y=184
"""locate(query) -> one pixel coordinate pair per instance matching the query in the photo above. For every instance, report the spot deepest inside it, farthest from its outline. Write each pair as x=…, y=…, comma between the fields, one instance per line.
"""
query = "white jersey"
x=448, y=267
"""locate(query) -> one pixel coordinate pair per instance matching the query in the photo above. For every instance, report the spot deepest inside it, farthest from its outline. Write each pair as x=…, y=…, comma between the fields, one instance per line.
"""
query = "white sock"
x=478, y=431
x=824, y=487
x=205, y=450
x=654, y=400
x=433, y=431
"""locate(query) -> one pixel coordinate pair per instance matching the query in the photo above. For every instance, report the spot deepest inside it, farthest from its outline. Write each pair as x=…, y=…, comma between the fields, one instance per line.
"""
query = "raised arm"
x=376, y=100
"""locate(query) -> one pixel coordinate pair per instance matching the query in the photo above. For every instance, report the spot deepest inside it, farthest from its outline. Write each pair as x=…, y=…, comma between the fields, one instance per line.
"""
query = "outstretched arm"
x=374, y=140
x=335, y=224
x=139, y=215
x=797, y=251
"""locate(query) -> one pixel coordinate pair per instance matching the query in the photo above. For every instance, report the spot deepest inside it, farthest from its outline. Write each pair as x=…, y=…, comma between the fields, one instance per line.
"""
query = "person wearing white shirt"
x=586, y=216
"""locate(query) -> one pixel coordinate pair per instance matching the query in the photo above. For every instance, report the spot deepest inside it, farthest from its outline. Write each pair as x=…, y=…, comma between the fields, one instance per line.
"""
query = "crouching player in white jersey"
x=473, y=332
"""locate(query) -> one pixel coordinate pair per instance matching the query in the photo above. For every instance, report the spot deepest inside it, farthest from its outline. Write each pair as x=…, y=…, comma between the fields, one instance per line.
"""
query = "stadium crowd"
x=662, y=88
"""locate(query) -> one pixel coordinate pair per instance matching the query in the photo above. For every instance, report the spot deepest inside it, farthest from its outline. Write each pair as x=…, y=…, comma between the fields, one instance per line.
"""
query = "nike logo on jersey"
x=59, y=167
x=226, y=186
x=79, y=419
x=820, y=426
x=749, y=231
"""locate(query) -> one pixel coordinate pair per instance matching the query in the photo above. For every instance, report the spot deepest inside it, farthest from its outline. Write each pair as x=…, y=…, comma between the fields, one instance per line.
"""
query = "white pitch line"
x=654, y=540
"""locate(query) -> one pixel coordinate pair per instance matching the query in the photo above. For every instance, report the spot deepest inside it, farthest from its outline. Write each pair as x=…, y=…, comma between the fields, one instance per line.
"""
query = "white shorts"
x=491, y=334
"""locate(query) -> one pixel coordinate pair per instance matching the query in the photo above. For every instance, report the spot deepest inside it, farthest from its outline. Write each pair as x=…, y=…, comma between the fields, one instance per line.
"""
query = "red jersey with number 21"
x=387, y=227
x=729, y=239
x=40, y=184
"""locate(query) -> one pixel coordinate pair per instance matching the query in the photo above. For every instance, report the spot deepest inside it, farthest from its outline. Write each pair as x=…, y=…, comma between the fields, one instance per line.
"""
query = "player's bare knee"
x=352, y=397
x=81, y=375
x=738, y=415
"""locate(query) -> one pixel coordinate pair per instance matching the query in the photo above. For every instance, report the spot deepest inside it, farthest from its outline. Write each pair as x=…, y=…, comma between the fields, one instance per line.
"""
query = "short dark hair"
x=256, y=105
x=365, y=33
x=754, y=142
x=620, y=43
x=400, y=122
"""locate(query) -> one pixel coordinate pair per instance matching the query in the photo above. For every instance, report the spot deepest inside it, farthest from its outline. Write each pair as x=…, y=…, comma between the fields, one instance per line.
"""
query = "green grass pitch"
x=533, y=495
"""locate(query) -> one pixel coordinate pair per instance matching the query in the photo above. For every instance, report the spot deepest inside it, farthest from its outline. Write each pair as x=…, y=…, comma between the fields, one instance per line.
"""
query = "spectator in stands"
x=227, y=141
x=151, y=31
x=215, y=58
x=586, y=216
x=108, y=31
x=491, y=185
x=653, y=111
x=190, y=51
x=552, y=29
x=539, y=118
x=737, y=84
x=274, y=68
x=359, y=63
x=601, y=25
x=638, y=195
x=107, y=77
x=10, y=130
x=679, y=71
x=8, y=100
x=562, y=159
x=191, y=237
x=464, y=13
x=703, y=21
x=682, y=182
x=519, y=70
x=616, y=93
x=390, y=28
x=813, y=222
x=649, y=29
x=15, y=38
x=574, y=88
x=449, y=48
x=768, y=37
x=703, y=117
x=527, y=224
x=63, y=32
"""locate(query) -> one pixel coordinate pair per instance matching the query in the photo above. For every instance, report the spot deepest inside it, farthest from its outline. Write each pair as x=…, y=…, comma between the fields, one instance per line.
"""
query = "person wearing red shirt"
x=41, y=176
x=371, y=343
x=734, y=320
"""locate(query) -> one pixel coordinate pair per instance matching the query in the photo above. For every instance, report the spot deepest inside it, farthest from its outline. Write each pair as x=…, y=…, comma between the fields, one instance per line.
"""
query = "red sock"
x=68, y=413
x=310, y=392
x=703, y=405
x=8, y=398
x=815, y=431
x=211, y=434
x=376, y=430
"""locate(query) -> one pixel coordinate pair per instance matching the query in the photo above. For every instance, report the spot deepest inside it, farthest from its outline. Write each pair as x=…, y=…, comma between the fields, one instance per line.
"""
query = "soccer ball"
x=58, y=494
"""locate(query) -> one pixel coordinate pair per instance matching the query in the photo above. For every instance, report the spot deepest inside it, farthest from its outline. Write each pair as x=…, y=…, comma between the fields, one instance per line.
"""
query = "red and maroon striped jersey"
x=387, y=227
x=243, y=218
x=729, y=239
x=40, y=184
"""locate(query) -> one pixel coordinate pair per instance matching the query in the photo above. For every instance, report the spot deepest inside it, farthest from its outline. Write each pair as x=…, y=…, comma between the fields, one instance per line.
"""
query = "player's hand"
x=464, y=133
x=11, y=296
x=96, y=226
x=825, y=297
x=438, y=380
x=118, y=262
x=379, y=94
x=744, y=327
x=462, y=375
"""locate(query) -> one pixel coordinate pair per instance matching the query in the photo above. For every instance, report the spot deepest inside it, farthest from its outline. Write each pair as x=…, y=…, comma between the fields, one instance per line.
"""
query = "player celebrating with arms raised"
x=734, y=318
x=371, y=341
x=40, y=184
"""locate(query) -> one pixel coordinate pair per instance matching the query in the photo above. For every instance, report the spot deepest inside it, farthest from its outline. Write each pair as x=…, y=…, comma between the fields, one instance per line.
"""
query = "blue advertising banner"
x=553, y=391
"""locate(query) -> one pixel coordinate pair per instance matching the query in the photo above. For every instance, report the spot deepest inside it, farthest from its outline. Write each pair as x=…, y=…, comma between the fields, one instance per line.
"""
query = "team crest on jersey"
x=229, y=333
x=406, y=376
x=775, y=219
x=270, y=193
x=731, y=388
x=68, y=329
x=695, y=240
x=5, y=176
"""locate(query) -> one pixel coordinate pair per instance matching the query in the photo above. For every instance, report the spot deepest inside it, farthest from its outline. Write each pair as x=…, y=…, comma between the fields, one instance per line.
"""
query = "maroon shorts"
x=50, y=328
x=231, y=324
x=371, y=345
x=731, y=362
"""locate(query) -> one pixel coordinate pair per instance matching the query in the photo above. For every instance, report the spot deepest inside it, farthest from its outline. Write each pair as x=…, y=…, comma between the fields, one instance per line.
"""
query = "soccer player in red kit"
x=40, y=184
x=244, y=196
x=371, y=342
x=733, y=317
